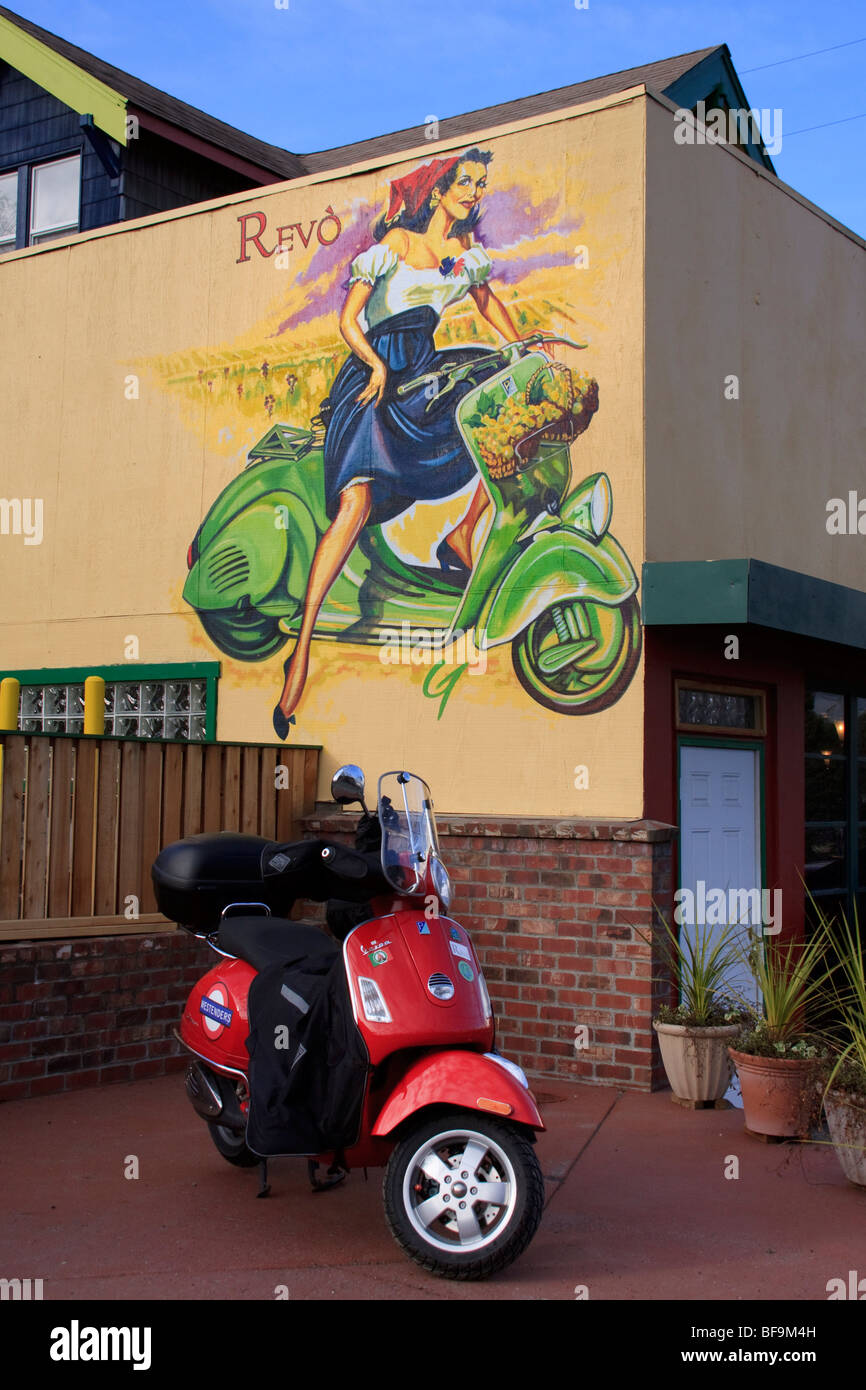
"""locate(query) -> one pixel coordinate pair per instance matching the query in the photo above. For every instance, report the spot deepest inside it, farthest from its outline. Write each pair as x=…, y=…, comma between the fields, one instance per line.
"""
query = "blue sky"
x=320, y=73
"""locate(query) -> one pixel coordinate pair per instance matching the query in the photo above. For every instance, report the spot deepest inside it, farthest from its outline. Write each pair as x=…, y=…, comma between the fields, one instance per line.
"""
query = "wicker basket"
x=559, y=431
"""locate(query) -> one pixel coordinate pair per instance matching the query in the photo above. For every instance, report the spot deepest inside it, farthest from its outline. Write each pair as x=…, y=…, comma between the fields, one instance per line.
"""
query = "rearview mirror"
x=347, y=785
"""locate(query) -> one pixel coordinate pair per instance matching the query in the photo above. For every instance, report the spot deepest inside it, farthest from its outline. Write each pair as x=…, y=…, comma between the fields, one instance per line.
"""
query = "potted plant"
x=694, y=1035
x=845, y=1093
x=779, y=1056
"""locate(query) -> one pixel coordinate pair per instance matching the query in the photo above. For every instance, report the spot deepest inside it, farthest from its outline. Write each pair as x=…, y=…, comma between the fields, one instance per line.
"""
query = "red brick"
x=78, y=1080
x=47, y=1085
x=116, y=1073
x=155, y=1067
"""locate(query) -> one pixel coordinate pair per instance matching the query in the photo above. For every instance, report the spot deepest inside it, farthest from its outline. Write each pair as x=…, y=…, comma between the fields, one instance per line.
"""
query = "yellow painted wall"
x=125, y=482
x=745, y=278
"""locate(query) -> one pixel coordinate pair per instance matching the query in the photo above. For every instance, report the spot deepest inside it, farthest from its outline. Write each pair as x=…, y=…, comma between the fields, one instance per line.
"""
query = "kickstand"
x=264, y=1185
x=335, y=1174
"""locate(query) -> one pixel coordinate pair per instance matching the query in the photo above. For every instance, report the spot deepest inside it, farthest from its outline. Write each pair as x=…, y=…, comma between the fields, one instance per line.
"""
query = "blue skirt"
x=409, y=452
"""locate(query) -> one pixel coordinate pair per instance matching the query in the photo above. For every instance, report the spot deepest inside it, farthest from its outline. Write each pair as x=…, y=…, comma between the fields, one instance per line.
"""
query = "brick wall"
x=552, y=907
x=90, y=1010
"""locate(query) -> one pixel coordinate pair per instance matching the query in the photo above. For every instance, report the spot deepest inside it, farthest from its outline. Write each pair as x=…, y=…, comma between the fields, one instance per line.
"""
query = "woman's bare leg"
x=333, y=551
x=460, y=539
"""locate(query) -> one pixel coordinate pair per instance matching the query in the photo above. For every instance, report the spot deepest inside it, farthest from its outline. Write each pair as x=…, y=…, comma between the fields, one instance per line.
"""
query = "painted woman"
x=385, y=451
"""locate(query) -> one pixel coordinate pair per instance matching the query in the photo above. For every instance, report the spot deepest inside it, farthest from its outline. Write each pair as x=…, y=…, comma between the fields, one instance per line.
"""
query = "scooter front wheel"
x=463, y=1195
x=579, y=658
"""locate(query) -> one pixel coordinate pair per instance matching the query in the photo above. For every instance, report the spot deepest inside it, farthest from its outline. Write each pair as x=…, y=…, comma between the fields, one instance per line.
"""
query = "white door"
x=720, y=842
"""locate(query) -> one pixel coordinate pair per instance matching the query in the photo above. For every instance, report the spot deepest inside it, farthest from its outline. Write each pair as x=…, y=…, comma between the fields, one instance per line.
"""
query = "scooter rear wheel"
x=232, y=1146
x=463, y=1195
x=244, y=634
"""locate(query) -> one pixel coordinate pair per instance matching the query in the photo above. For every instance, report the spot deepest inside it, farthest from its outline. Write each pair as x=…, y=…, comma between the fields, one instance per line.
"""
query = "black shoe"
x=282, y=723
x=450, y=560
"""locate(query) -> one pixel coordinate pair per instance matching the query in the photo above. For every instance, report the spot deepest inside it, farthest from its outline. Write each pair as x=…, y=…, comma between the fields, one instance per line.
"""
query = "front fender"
x=458, y=1078
x=558, y=566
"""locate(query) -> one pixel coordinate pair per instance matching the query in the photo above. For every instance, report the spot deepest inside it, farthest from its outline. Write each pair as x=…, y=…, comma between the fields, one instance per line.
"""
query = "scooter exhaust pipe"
x=203, y=1092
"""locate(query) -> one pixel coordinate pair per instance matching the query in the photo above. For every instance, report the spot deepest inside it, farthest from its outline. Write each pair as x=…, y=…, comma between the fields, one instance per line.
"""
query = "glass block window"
x=167, y=709
x=719, y=709
x=173, y=709
x=52, y=709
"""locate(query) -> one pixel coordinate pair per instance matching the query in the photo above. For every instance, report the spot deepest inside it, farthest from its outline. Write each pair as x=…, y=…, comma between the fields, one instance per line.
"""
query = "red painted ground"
x=638, y=1208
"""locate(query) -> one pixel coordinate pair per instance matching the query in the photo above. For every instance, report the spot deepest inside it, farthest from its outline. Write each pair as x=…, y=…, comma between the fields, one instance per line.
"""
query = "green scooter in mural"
x=549, y=578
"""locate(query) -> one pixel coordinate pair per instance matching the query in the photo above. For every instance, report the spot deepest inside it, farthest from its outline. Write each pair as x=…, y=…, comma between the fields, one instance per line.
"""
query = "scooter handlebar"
x=459, y=370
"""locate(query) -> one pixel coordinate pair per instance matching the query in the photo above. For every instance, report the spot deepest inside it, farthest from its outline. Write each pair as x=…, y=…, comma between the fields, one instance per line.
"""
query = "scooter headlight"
x=441, y=884
x=485, y=995
x=374, y=1006
x=512, y=1067
x=601, y=505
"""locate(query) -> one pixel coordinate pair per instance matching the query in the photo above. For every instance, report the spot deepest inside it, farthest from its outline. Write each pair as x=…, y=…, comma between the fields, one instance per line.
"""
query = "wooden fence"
x=82, y=820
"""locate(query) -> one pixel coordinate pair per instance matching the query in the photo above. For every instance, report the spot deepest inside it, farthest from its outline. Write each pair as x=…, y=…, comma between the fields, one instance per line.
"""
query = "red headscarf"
x=408, y=193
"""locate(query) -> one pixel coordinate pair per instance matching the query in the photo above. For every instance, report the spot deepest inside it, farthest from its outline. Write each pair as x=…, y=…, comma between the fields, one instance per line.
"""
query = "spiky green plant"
x=793, y=980
x=848, y=986
x=700, y=960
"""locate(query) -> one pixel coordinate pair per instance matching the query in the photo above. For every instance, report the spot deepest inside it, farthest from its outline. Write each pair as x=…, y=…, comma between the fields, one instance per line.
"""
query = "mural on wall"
x=318, y=537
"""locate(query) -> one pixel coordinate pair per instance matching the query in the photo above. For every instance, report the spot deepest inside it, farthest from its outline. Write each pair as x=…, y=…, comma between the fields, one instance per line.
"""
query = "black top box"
x=197, y=878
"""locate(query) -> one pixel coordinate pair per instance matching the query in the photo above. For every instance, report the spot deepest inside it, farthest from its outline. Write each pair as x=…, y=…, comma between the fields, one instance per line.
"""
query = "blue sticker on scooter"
x=423, y=928
x=211, y=1009
x=455, y=935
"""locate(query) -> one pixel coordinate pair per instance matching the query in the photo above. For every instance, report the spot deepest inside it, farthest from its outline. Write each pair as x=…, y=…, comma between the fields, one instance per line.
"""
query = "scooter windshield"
x=410, y=847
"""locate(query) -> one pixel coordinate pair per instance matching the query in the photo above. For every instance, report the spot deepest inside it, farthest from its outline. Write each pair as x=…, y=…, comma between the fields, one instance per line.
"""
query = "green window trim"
x=131, y=672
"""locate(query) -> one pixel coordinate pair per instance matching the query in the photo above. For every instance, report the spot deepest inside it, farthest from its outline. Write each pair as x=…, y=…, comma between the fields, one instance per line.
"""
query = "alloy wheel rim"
x=459, y=1191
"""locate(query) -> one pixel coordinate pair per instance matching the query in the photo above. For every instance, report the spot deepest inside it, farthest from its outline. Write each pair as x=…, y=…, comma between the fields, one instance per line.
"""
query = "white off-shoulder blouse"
x=398, y=286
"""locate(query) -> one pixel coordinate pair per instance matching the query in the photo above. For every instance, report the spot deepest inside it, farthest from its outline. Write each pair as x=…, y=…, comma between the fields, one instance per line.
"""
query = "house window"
x=835, y=847
x=719, y=709
x=179, y=708
x=55, y=198
x=8, y=210
x=43, y=199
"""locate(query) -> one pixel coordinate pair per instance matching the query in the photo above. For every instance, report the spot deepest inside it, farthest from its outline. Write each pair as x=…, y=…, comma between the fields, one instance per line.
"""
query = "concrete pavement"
x=641, y=1204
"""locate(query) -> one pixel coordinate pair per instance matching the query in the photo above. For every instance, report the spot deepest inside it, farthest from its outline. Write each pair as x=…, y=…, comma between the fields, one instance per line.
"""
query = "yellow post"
x=10, y=690
x=94, y=705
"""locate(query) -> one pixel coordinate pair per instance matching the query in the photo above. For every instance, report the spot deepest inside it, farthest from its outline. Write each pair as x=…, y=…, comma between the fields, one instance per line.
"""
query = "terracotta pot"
x=779, y=1094
x=696, y=1059
x=846, y=1117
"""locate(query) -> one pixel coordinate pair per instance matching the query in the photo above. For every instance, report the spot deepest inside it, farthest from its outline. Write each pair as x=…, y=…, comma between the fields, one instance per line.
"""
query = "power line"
x=799, y=56
x=824, y=125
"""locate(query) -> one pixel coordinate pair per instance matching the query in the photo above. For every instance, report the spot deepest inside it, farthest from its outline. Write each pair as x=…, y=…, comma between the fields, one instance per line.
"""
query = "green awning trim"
x=68, y=83
x=735, y=592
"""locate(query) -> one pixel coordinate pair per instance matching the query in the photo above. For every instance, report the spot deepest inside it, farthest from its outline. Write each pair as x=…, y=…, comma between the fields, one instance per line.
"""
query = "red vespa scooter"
x=431, y=1100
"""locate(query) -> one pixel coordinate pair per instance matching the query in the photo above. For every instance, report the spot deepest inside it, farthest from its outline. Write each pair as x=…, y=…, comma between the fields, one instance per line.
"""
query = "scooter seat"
x=265, y=941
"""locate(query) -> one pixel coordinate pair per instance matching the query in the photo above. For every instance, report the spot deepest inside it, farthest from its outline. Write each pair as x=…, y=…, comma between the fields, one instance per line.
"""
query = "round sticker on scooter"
x=214, y=1010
